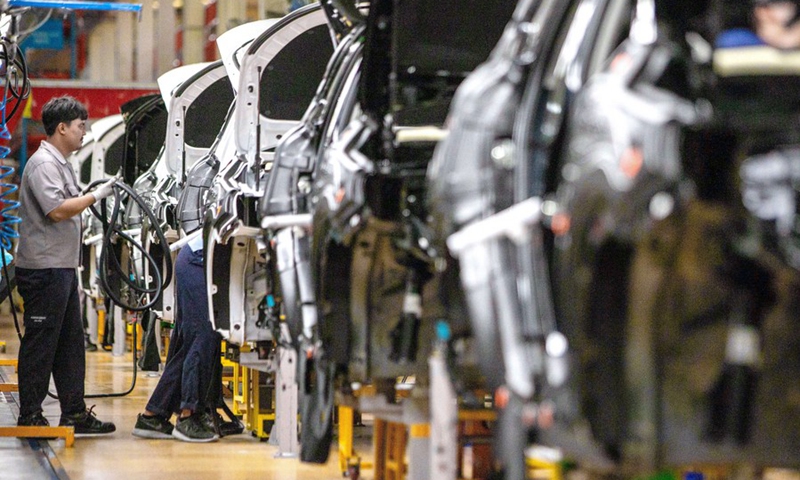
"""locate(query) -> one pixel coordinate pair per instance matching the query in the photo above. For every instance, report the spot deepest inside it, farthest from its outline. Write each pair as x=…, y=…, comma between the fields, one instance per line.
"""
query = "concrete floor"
x=123, y=456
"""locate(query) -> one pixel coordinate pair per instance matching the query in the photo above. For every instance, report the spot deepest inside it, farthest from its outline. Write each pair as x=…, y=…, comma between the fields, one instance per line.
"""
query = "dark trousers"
x=185, y=382
x=53, y=340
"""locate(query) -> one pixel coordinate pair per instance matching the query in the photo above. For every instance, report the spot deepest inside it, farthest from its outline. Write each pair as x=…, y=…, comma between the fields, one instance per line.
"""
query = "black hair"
x=61, y=109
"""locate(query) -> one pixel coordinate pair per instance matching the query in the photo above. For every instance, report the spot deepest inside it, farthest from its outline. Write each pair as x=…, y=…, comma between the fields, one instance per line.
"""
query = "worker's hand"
x=105, y=189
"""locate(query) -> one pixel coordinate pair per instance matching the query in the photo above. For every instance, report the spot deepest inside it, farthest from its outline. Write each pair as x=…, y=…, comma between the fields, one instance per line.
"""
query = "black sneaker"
x=33, y=420
x=192, y=429
x=86, y=423
x=221, y=427
x=152, y=427
x=233, y=427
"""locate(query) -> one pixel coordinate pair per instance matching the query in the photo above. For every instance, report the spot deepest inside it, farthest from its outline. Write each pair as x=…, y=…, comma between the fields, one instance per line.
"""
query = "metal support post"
x=286, y=405
x=419, y=452
x=91, y=319
x=444, y=420
x=120, y=333
x=345, y=437
x=91, y=299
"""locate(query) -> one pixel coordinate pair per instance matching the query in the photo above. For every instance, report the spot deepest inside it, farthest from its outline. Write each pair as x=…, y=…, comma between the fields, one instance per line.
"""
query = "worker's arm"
x=74, y=206
x=71, y=207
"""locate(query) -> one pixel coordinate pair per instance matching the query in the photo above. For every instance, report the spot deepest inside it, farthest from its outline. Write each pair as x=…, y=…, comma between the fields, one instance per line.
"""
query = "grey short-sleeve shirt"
x=47, y=180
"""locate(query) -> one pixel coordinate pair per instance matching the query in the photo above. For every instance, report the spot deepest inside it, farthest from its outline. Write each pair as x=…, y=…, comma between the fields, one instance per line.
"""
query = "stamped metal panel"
x=81, y=160
x=169, y=81
x=233, y=44
x=145, y=130
x=105, y=132
x=236, y=282
x=280, y=74
x=196, y=115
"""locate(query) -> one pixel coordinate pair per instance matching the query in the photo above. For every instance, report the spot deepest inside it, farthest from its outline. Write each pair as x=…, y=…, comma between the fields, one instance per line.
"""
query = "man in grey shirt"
x=47, y=258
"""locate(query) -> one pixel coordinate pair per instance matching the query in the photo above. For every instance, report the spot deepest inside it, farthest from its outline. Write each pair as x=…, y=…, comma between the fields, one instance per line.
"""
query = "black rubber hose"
x=113, y=229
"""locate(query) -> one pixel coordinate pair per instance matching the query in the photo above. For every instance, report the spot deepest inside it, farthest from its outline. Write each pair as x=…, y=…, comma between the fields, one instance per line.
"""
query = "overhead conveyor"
x=76, y=5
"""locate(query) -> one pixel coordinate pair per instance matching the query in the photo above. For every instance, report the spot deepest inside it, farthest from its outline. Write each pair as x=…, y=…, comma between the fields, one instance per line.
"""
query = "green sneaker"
x=192, y=429
x=152, y=427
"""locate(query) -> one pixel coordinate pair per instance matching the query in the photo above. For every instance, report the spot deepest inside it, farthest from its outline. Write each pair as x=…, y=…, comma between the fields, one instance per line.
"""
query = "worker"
x=46, y=273
x=184, y=385
x=774, y=23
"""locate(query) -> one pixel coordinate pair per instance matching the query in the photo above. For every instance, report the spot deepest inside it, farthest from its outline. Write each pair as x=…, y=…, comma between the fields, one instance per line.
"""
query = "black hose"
x=19, y=335
x=17, y=85
x=113, y=230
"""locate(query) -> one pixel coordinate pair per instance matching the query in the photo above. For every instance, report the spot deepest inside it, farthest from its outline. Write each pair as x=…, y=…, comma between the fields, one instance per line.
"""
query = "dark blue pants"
x=53, y=340
x=185, y=382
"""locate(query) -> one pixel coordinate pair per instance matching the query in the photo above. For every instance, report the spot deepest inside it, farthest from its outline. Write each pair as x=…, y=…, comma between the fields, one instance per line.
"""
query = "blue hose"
x=8, y=221
x=76, y=5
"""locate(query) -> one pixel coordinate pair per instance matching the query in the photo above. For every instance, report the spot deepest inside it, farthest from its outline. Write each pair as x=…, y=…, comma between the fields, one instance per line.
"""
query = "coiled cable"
x=109, y=264
x=16, y=84
x=8, y=220
x=113, y=229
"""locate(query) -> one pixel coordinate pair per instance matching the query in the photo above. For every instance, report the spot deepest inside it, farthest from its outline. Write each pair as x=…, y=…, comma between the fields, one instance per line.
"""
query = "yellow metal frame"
x=239, y=390
x=246, y=398
x=390, y=439
x=9, y=362
x=67, y=433
x=543, y=470
x=227, y=379
x=101, y=324
x=256, y=416
x=390, y=448
x=9, y=387
x=241, y=394
x=419, y=430
x=481, y=415
x=346, y=452
x=129, y=334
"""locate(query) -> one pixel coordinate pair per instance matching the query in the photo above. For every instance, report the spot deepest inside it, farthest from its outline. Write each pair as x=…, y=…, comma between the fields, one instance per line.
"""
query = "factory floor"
x=122, y=456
